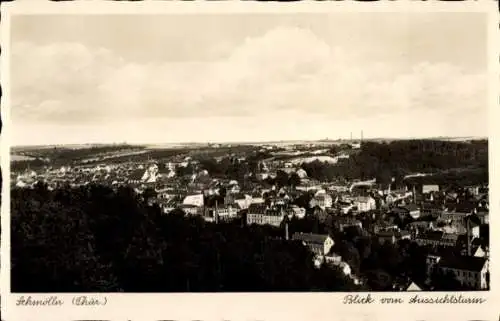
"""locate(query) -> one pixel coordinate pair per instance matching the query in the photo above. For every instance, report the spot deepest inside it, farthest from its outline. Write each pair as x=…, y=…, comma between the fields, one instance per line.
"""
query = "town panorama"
x=329, y=215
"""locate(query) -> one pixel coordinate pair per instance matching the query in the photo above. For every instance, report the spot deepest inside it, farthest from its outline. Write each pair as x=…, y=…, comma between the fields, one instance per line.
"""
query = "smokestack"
x=468, y=237
x=361, y=135
x=414, y=195
x=216, y=213
x=286, y=231
x=351, y=136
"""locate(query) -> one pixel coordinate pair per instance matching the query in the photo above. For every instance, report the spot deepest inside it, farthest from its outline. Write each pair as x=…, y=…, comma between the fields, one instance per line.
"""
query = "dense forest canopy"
x=425, y=155
x=95, y=239
x=448, y=160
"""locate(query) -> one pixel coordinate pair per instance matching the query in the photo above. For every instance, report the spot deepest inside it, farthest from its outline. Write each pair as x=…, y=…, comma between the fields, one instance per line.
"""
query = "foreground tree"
x=96, y=239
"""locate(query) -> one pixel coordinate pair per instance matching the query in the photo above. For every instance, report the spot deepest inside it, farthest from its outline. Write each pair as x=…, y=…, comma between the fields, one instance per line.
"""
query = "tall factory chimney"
x=468, y=237
x=216, y=212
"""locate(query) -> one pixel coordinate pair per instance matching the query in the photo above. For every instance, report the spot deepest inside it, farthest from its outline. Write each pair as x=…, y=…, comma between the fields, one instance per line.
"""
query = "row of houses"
x=262, y=214
x=470, y=270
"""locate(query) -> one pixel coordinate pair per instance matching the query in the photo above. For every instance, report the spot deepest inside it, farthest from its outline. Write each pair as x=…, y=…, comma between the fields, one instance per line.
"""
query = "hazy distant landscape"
x=30, y=153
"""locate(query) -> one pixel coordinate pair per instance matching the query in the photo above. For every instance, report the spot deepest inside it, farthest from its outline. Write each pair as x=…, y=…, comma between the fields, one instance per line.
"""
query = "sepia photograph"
x=249, y=152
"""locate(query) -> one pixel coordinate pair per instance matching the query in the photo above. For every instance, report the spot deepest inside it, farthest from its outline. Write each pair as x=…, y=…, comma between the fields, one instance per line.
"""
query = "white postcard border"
x=243, y=306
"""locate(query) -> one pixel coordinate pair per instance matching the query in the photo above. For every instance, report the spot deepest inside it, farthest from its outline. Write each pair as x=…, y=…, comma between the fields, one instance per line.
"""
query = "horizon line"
x=261, y=142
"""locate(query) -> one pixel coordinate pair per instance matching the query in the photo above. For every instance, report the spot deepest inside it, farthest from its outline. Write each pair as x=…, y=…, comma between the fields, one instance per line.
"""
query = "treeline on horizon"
x=459, y=162
x=66, y=154
x=395, y=159
x=63, y=156
x=450, y=163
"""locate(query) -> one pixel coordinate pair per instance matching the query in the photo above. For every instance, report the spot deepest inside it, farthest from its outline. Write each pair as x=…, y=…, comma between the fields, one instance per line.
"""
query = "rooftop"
x=463, y=262
x=310, y=237
x=437, y=236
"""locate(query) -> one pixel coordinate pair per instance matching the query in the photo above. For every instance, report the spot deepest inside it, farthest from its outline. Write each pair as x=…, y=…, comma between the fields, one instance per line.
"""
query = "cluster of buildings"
x=429, y=216
x=322, y=248
x=453, y=225
x=106, y=174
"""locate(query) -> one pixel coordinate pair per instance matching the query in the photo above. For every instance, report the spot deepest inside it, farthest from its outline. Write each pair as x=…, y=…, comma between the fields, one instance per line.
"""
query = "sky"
x=246, y=77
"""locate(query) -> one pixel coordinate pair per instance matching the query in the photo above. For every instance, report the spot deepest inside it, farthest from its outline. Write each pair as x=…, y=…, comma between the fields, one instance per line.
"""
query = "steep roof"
x=411, y=207
x=463, y=207
x=136, y=175
x=322, y=197
x=438, y=236
x=392, y=233
x=405, y=209
x=275, y=212
x=463, y=262
x=256, y=208
x=413, y=287
x=187, y=206
x=310, y=238
x=345, y=220
x=420, y=224
x=363, y=199
x=238, y=196
x=256, y=194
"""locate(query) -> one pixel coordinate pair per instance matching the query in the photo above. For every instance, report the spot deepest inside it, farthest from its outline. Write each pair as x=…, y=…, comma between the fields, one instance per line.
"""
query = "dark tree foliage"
x=398, y=158
x=149, y=193
x=309, y=224
x=185, y=170
x=384, y=177
x=64, y=155
x=350, y=255
x=23, y=165
x=214, y=200
x=445, y=281
x=294, y=180
x=225, y=168
x=379, y=280
x=94, y=239
x=403, y=260
x=281, y=178
x=303, y=200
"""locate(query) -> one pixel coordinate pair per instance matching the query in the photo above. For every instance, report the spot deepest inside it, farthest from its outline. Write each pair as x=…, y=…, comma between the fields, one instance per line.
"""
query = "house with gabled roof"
x=135, y=177
x=343, y=222
x=319, y=244
x=407, y=211
x=470, y=271
x=392, y=236
x=190, y=209
x=243, y=200
x=364, y=203
x=262, y=215
x=436, y=238
x=322, y=200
